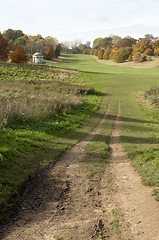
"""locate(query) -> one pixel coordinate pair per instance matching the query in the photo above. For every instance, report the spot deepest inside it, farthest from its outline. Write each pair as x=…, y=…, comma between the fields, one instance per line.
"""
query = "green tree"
x=10, y=34
x=58, y=50
x=20, y=41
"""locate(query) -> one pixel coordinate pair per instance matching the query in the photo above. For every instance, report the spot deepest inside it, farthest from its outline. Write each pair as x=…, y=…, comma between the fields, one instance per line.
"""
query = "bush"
x=19, y=55
x=156, y=52
x=144, y=58
x=118, y=57
x=138, y=57
x=148, y=52
x=92, y=52
x=122, y=54
x=96, y=52
x=130, y=58
x=101, y=53
x=107, y=54
x=85, y=51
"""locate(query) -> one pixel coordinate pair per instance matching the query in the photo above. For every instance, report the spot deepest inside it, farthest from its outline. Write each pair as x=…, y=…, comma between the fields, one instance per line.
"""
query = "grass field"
x=50, y=109
x=140, y=128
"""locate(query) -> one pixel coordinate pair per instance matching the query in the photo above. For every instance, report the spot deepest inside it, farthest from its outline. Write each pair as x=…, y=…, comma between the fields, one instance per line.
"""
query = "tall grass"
x=29, y=94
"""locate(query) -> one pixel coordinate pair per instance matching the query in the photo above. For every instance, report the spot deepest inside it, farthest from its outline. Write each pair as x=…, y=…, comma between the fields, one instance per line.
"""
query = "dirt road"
x=67, y=205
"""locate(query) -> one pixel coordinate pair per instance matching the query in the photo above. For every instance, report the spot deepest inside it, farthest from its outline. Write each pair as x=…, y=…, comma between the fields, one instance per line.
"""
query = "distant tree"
x=102, y=43
x=4, y=48
x=124, y=42
x=107, y=54
x=96, y=52
x=13, y=34
x=115, y=39
x=35, y=46
x=92, y=51
x=156, y=52
x=49, y=53
x=148, y=52
x=20, y=41
x=19, y=55
x=58, y=50
x=85, y=51
x=10, y=34
x=88, y=43
x=18, y=33
x=101, y=53
x=138, y=57
x=144, y=43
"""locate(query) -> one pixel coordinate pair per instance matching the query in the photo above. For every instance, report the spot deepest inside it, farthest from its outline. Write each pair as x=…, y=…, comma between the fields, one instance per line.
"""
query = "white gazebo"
x=38, y=58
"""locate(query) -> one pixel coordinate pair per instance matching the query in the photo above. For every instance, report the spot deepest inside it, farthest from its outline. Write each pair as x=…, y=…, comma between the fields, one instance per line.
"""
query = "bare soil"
x=65, y=204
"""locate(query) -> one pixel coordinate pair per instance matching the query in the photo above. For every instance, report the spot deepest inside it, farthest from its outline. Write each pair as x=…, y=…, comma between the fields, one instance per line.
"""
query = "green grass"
x=31, y=142
x=140, y=128
x=27, y=144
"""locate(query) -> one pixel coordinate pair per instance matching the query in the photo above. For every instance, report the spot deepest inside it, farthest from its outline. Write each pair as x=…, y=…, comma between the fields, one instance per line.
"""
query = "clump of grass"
x=153, y=95
x=147, y=164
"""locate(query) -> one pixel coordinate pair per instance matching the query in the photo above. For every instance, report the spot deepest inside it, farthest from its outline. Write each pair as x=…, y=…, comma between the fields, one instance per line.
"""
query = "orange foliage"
x=49, y=53
x=101, y=53
x=19, y=55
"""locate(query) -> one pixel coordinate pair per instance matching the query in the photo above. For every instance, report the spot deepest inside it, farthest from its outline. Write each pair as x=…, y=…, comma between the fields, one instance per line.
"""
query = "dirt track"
x=67, y=205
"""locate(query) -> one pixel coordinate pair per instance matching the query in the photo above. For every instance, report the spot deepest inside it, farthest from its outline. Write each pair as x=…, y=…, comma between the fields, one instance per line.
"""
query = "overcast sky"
x=84, y=19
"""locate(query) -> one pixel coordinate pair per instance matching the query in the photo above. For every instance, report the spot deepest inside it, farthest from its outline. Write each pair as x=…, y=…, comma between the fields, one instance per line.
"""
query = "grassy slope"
x=29, y=143
x=140, y=129
x=36, y=144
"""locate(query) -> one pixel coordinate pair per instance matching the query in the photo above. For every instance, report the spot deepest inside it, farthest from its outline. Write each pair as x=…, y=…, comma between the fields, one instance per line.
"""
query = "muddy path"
x=65, y=204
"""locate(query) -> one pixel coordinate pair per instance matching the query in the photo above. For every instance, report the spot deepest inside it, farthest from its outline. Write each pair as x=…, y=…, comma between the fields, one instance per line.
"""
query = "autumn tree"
x=19, y=55
x=115, y=39
x=13, y=34
x=124, y=42
x=148, y=52
x=107, y=54
x=144, y=43
x=49, y=53
x=4, y=48
x=102, y=43
x=101, y=53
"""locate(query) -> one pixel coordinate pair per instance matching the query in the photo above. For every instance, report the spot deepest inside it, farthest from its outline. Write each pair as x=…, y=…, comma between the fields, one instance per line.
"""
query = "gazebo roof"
x=37, y=54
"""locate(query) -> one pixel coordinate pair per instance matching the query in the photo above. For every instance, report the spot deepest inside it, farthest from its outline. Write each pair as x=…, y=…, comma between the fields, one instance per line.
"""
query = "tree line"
x=124, y=49
x=19, y=47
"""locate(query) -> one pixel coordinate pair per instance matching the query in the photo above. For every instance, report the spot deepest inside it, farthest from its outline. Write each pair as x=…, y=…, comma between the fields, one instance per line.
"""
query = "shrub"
x=118, y=57
x=144, y=58
x=112, y=53
x=4, y=48
x=130, y=58
x=49, y=53
x=85, y=51
x=19, y=55
x=107, y=54
x=148, y=52
x=138, y=57
x=156, y=52
x=92, y=52
x=96, y=52
x=122, y=54
x=101, y=53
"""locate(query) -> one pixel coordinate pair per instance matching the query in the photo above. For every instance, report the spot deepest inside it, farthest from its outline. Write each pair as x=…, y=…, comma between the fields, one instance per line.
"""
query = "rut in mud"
x=67, y=205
